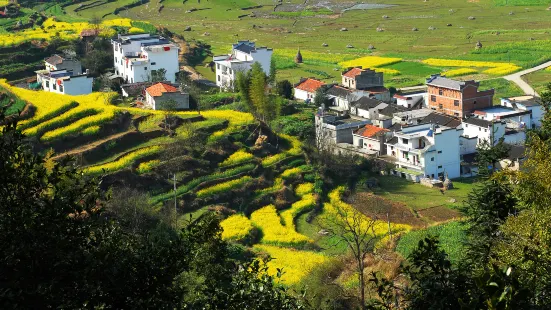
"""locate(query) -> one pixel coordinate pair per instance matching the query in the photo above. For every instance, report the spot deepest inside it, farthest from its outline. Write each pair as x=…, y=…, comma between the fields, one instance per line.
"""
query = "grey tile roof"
x=54, y=59
x=394, y=140
x=478, y=122
x=390, y=109
x=366, y=103
x=441, y=119
x=446, y=83
x=338, y=91
x=245, y=48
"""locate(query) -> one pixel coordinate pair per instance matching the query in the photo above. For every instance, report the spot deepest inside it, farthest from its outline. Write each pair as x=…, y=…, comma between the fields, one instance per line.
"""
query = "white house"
x=306, y=88
x=64, y=82
x=159, y=93
x=366, y=107
x=339, y=97
x=371, y=139
x=425, y=150
x=526, y=103
x=57, y=62
x=476, y=131
x=411, y=100
x=137, y=57
x=243, y=55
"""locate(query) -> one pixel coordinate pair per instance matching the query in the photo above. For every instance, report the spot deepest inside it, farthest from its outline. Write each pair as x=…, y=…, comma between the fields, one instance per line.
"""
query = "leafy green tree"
x=285, y=89
x=257, y=91
x=243, y=82
x=489, y=155
x=320, y=98
x=273, y=72
x=158, y=75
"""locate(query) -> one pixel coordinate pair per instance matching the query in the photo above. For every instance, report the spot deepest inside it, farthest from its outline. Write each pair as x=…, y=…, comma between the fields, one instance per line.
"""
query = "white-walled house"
x=526, y=103
x=57, y=62
x=64, y=82
x=159, y=93
x=426, y=150
x=243, y=55
x=411, y=100
x=367, y=107
x=138, y=56
x=306, y=88
x=476, y=131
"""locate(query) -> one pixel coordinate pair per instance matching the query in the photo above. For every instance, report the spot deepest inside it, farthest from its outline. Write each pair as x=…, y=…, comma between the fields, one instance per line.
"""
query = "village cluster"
x=427, y=133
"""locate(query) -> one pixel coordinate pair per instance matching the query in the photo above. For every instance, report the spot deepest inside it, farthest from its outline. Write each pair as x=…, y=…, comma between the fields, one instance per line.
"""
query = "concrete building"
x=411, y=100
x=57, y=62
x=366, y=107
x=371, y=139
x=158, y=94
x=243, y=55
x=138, y=57
x=457, y=98
x=306, y=88
x=526, y=103
x=64, y=82
x=476, y=131
x=425, y=150
x=358, y=78
x=333, y=129
x=339, y=97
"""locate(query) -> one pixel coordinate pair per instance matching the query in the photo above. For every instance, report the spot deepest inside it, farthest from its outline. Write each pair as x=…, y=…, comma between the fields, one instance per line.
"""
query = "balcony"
x=410, y=163
x=407, y=148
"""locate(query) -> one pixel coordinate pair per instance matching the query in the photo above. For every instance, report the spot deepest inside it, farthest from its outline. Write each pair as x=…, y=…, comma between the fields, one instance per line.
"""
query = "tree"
x=357, y=231
x=243, y=82
x=273, y=72
x=257, y=91
x=96, y=61
x=285, y=89
x=489, y=155
x=320, y=98
x=158, y=75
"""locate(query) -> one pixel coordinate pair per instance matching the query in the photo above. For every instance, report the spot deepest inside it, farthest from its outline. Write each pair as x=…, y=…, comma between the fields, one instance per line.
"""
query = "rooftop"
x=441, y=81
x=366, y=103
x=310, y=85
x=55, y=59
x=353, y=72
x=442, y=119
x=338, y=91
x=478, y=122
x=158, y=89
x=527, y=101
x=370, y=131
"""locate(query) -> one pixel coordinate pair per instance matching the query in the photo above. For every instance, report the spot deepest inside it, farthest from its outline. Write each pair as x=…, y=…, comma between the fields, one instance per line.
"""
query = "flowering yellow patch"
x=388, y=71
x=304, y=188
x=289, y=173
x=380, y=228
x=223, y=187
x=370, y=62
x=496, y=68
x=548, y=68
x=459, y=72
x=67, y=31
x=124, y=161
x=296, y=148
x=147, y=166
x=296, y=264
x=236, y=227
x=267, y=220
x=91, y=130
x=238, y=157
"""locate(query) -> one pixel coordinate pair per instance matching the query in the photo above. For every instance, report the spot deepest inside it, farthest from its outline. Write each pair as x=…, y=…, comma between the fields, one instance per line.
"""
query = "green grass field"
x=419, y=197
x=539, y=80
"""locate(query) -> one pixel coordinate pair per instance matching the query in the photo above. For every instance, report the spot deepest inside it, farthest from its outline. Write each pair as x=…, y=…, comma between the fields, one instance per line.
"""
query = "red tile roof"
x=370, y=131
x=158, y=89
x=353, y=72
x=310, y=85
x=89, y=33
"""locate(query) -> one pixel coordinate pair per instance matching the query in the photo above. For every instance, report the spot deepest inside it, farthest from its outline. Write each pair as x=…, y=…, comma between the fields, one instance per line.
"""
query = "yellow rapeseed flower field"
x=236, y=227
x=296, y=264
x=124, y=161
x=459, y=72
x=51, y=28
x=309, y=56
x=267, y=220
x=223, y=187
x=147, y=166
x=370, y=62
x=548, y=68
x=304, y=188
x=495, y=68
x=238, y=157
x=296, y=148
x=388, y=71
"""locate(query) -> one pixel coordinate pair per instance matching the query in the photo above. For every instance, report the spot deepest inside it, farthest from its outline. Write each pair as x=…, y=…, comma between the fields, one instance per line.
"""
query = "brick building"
x=457, y=98
x=358, y=78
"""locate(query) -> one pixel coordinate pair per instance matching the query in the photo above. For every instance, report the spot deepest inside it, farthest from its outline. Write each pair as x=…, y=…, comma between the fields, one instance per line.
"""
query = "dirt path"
x=92, y=145
x=194, y=75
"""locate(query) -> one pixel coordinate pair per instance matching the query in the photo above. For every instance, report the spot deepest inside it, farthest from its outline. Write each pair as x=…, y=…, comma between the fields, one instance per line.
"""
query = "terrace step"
x=93, y=145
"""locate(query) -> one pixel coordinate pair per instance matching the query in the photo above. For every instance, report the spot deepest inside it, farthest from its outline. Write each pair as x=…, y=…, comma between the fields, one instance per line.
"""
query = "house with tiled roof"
x=158, y=96
x=457, y=98
x=243, y=55
x=358, y=78
x=63, y=75
x=339, y=97
x=306, y=88
x=371, y=139
x=58, y=62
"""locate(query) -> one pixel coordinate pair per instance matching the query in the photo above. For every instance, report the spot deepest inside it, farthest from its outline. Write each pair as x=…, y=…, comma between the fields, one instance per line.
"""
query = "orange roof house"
x=307, y=87
x=370, y=139
x=158, y=89
x=158, y=94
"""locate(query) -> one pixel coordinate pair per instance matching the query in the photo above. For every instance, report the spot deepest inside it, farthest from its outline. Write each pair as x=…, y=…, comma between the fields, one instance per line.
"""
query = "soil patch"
x=377, y=207
x=439, y=214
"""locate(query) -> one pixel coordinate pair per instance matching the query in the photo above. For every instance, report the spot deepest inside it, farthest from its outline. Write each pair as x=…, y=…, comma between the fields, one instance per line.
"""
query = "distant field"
x=539, y=80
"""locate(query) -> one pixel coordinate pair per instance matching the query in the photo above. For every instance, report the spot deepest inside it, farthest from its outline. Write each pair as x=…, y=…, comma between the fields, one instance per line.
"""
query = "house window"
x=145, y=68
x=54, y=86
x=131, y=67
x=218, y=66
x=440, y=92
x=439, y=167
x=404, y=141
x=456, y=114
x=153, y=63
x=466, y=125
x=432, y=159
x=433, y=98
x=479, y=129
x=61, y=88
x=116, y=60
x=456, y=103
x=440, y=106
x=230, y=71
x=485, y=130
x=47, y=84
x=439, y=152
x=474, y=102
x=218, y=78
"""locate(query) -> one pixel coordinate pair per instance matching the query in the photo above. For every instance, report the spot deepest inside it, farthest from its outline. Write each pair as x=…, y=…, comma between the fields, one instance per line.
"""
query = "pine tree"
x=273, y=72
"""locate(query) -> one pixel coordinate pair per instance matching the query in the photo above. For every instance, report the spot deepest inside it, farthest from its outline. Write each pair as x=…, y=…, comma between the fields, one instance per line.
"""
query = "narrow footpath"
x=517, y=78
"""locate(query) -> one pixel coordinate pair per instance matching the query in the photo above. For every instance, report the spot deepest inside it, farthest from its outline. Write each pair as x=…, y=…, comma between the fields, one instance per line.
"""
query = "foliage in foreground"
x=62, y=249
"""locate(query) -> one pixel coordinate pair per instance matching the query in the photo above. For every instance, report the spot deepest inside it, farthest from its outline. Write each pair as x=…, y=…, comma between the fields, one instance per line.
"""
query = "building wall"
x=518, y=138
x=264, y=57
x=182, y=101
x=69, y=65
x=167, y=60
x=368, y=143
x=484, y=133
x=364, y=80
x=446, y=154
x=467, y=145
x=537, y=115
x=303, y=95
x=81, y=85
x=457, y=103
